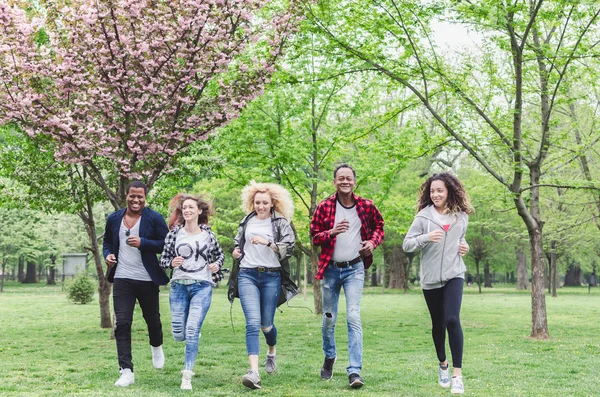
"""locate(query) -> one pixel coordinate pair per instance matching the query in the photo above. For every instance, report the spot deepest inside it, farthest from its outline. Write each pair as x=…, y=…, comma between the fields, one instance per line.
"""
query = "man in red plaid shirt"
x=348, y=228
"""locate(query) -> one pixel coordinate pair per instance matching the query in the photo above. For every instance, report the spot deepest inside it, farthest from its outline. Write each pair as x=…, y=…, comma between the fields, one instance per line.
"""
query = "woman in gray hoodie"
x=438, y=231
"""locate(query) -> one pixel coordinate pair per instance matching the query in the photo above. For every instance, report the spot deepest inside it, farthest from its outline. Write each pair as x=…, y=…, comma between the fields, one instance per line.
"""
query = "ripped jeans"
x=352, y=279
x=259, y=293
x=189, y=305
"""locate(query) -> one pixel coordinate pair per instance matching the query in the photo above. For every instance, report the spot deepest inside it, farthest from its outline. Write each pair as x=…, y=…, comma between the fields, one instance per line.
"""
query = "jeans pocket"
x=360, y=271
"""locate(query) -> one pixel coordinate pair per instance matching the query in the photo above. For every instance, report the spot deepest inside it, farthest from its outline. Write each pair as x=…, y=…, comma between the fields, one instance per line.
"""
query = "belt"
x=262, y=269
x=349, y=263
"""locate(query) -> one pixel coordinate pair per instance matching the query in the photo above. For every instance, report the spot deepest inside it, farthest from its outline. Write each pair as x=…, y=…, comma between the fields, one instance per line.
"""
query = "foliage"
x=36, y=235
x=133, y=84
x=81, y=289
x=504, y=103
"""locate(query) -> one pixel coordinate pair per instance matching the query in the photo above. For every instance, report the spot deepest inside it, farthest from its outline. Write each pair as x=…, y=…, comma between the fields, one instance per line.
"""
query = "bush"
x=81, y=289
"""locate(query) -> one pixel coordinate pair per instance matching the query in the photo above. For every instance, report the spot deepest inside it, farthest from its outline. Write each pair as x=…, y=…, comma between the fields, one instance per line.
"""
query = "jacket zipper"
x=442, y=261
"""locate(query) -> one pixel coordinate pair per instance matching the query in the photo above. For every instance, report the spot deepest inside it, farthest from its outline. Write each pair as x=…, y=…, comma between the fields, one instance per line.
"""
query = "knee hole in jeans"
x=266, y=329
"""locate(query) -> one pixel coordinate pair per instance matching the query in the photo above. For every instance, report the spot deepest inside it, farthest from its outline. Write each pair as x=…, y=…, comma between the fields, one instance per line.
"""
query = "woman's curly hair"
x=281, y=198
x=176, y=217
x=458, y=200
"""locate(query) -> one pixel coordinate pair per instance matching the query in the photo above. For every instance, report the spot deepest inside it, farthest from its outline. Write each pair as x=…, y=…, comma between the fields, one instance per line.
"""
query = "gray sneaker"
x=270, y=365
x=444, y=376
x=251, y=380
x=457, y=385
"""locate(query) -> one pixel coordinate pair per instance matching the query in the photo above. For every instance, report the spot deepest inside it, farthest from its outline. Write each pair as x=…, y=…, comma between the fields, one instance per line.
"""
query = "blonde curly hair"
x=282, y=199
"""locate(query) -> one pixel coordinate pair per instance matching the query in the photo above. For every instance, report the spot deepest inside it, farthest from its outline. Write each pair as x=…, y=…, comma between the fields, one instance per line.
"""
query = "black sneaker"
x=356, y=382
x=327, y=370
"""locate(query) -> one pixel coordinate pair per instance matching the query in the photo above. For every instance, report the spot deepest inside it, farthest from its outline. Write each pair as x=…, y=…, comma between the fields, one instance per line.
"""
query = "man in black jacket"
x=132, y=238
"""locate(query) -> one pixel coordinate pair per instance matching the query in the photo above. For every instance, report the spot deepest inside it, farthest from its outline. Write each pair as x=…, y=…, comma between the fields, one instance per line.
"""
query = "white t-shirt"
x=258, y=254
x=347, y=244
x=194, y=249
x=130, y=258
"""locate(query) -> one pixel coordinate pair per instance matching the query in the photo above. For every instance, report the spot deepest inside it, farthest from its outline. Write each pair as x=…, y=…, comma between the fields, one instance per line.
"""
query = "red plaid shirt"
x=323, y=220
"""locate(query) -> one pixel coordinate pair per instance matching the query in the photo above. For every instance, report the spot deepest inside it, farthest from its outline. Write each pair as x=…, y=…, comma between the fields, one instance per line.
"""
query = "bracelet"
x=269, y=244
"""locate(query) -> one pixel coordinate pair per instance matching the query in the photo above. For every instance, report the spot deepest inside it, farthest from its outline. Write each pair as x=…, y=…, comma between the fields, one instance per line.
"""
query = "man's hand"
x=463, y=249
x=367, y=248
x=436, y=236
x=134, y=241
x=236, y=253
x=111, y=260
x=341, y=227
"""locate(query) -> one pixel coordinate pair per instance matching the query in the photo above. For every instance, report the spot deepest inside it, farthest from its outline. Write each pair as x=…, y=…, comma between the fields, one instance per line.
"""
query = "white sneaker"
x=444, y=376
x=158, y=358
x=186, y=379
x=457, y=385
x=126, y=378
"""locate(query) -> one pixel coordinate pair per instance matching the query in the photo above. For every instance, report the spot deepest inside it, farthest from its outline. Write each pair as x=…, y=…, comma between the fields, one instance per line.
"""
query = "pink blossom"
x=134, y=79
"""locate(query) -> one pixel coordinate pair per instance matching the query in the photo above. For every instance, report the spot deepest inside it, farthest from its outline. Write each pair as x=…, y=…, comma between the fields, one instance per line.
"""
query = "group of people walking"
x=346, y=226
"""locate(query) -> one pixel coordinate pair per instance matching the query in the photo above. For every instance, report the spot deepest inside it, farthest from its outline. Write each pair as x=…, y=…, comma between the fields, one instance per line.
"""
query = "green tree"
x=44, y=184
x=506, y=116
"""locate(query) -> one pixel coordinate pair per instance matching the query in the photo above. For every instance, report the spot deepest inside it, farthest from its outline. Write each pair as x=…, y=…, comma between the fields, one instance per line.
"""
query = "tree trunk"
x=30, y=276
x=104, y=287
x=305, y=289
x=4, y=262
x=298, y=270
x=408, y=266
x=383, y=278
x=374, y=276
x=573, y=276
x=539, y=319
x=51, y=280
x=21, y=275
x=51, y=275
x=477, y=275
x=522, y=277
x=318, y=300
x=487, y=281
x=395, y=259
x=553, y=279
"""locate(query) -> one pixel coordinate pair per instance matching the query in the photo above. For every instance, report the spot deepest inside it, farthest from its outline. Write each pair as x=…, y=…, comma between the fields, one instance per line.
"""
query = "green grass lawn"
x=51, y=347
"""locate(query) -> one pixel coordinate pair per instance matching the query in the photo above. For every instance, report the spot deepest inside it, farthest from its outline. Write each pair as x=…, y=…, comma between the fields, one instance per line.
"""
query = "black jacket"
x=153, y=230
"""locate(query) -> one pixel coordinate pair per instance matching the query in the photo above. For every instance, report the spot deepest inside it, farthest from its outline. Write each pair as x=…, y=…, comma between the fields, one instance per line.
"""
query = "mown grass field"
x=51, y=347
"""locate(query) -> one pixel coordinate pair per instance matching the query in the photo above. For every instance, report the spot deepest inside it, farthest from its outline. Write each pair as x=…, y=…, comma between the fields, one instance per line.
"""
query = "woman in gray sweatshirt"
x=438, y=231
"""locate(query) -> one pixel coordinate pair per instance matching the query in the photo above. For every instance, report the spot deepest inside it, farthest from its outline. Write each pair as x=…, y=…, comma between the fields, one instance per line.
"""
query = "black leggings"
x=444, y=308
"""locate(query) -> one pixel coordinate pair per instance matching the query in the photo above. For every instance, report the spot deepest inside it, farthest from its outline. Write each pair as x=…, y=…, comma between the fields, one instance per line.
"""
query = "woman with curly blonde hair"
x=260, y=276
x=438, y=231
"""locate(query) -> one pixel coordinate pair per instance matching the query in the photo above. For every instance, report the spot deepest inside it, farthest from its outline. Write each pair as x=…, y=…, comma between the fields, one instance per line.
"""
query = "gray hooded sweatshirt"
x=440, y=262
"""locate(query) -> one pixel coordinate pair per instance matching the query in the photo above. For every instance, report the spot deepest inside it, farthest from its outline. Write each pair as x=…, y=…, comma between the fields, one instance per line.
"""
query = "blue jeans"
x=189, y=305
x=352, y=279
x=259, y=293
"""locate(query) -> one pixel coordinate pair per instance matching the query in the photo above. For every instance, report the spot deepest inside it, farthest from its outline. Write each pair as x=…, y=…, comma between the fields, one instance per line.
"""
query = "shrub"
x=81, y=289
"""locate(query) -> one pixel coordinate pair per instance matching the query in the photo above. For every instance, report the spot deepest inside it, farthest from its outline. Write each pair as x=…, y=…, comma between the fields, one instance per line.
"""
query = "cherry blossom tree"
x=125, y=86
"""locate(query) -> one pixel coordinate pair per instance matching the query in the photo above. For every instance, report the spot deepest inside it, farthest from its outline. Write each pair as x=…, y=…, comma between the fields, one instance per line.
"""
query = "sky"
x=454, y=36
